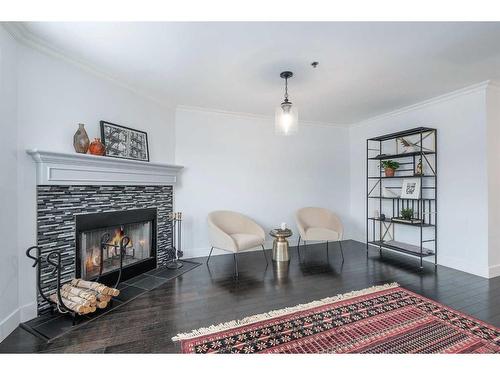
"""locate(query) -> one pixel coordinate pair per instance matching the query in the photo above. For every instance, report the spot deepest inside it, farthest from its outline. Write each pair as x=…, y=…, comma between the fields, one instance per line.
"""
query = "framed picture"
x=125, y=143
x=410, y=188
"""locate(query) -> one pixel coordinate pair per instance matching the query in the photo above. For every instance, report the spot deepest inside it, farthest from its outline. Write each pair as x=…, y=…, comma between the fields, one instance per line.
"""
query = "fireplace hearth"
x=98, y=238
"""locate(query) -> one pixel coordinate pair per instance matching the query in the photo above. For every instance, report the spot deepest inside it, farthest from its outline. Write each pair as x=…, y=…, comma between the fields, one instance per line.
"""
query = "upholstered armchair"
x=234, y=232
x=319, y=224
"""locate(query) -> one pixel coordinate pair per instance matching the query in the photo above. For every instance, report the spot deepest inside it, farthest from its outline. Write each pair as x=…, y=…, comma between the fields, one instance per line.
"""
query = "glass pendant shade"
x=286, y=121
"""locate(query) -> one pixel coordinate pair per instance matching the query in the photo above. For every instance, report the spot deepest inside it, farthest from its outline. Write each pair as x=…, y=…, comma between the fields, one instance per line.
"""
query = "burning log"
x=98, y=287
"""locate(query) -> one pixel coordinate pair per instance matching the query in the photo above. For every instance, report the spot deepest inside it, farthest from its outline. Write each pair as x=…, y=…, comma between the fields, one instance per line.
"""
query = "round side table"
x=280, y=244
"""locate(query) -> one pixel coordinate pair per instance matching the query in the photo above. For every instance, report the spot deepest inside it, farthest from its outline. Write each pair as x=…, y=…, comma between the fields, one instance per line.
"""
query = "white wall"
x=236, y=162
x=462, y=173
x=493, y=135
x=9, y=312
x=53, y=96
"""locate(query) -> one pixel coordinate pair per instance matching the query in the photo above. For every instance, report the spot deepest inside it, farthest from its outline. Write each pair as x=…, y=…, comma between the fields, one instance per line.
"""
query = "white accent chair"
x=234, y=232
x=319, y=224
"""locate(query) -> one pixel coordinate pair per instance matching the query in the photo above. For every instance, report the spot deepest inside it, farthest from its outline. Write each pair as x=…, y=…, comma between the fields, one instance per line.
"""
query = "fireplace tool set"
x=176, y=219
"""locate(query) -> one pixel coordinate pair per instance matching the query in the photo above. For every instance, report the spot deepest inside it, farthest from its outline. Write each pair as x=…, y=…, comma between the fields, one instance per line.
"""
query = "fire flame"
x=119, y=234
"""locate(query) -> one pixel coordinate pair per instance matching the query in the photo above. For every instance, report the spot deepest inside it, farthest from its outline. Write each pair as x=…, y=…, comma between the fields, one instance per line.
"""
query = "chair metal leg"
x=235, y=265
x=298, y=248
x=327, y=253
x=341, y=251
x=264, y=251
x=209, y=255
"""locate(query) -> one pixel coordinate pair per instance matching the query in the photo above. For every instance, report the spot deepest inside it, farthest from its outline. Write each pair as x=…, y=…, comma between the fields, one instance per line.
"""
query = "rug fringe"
x=276, y=313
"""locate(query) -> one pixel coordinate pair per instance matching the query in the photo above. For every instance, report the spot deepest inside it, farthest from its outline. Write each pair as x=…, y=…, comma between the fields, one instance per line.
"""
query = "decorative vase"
x=81, y=140
x=97, y=148
x=389, y=172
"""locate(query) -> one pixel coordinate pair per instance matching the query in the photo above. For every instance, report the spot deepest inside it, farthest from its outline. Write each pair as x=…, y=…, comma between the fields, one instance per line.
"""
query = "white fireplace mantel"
x=56, y=168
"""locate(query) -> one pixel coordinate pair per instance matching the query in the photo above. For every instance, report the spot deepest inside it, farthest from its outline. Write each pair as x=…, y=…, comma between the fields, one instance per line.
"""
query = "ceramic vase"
x=81, y=140
x=97, y=148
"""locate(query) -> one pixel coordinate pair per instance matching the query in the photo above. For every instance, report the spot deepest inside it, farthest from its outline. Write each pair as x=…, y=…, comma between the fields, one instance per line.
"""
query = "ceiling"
x=365, y=69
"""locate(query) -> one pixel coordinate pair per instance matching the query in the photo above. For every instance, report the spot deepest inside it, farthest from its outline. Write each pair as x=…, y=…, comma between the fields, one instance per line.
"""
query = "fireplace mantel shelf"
x=56, y=168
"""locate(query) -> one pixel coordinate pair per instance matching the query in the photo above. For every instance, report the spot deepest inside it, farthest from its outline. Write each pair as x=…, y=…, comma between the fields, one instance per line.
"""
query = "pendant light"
x=286, y=121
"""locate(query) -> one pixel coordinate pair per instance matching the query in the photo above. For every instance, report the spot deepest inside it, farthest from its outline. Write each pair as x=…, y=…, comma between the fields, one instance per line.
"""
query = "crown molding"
x=481, y=86
x=19, y=31
x=494, y=84
x=188, y=108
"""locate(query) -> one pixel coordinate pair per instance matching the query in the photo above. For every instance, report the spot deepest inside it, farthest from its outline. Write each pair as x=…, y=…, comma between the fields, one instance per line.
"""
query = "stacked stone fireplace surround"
x=57, y=206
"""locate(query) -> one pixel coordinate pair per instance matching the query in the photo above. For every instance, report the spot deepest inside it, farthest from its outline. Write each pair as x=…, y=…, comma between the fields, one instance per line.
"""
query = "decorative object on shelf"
x=419, y=170
x=382, y=217
x=123, y=142
x=410, y=188
x=376, y=214
x=176, y=219
x=287, y=116
x=413, y=146
x=390, y=167
x=407, y=213
x=81, y=140
x=388, y=193
x=406, y=217
x=406, y=221
x=97, y=148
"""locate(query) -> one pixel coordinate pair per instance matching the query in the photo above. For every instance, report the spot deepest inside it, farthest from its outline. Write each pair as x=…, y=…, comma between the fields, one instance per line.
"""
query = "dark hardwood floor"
x=208, y=295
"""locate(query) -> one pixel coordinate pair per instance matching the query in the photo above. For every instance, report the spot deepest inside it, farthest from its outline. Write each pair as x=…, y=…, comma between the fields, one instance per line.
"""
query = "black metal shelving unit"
x=387, y=147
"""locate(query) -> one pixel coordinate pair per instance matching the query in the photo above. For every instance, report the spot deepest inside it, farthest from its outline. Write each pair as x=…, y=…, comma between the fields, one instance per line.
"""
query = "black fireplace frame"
x=98, y=220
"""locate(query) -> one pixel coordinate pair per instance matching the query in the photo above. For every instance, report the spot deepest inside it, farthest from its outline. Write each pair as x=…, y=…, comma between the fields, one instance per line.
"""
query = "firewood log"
x=99, y=296
x=70, y=304
x=98, y=287
x=101, y=304
x=72, y=297
x=79, y=292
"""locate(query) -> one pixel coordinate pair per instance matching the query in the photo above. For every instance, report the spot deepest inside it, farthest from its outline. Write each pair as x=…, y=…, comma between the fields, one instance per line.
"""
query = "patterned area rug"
x=381, y=319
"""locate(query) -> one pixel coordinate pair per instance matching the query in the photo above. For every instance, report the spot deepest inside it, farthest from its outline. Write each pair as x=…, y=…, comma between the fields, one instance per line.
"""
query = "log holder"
x=53, y=258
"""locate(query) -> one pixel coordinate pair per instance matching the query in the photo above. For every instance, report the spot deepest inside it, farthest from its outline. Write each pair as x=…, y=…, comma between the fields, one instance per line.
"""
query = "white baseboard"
x=21, y=314
x=10, y=323
x=494, y=271
x=28, y=311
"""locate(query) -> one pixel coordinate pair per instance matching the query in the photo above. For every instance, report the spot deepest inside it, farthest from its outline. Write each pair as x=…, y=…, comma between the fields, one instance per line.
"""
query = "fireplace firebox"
x=140, y=253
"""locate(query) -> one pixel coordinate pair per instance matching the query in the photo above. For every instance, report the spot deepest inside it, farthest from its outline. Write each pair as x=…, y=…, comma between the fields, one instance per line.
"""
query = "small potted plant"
x=390, y=167
x=407, y=213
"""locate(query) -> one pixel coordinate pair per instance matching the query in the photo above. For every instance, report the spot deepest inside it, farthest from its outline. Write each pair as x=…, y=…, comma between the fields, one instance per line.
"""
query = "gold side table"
x=280, y=244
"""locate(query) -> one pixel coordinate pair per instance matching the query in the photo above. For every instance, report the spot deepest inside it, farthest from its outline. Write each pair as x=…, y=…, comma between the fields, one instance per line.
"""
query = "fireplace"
x=140, y=253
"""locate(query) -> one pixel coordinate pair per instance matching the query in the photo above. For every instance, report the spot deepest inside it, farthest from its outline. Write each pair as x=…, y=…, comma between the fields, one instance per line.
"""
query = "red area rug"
x=381, y=319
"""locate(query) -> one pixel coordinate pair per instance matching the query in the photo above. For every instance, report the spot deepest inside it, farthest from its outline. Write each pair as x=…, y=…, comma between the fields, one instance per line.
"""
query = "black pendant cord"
x=286, y=89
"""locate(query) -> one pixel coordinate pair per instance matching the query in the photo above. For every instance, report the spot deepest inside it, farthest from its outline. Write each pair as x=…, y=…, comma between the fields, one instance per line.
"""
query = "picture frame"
x=123, y=142
x=410, y=188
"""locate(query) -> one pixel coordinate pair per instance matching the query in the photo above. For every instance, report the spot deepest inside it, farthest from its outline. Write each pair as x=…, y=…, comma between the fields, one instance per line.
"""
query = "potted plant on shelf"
x=407, y=213
x=407, y=217
x=390, y=167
